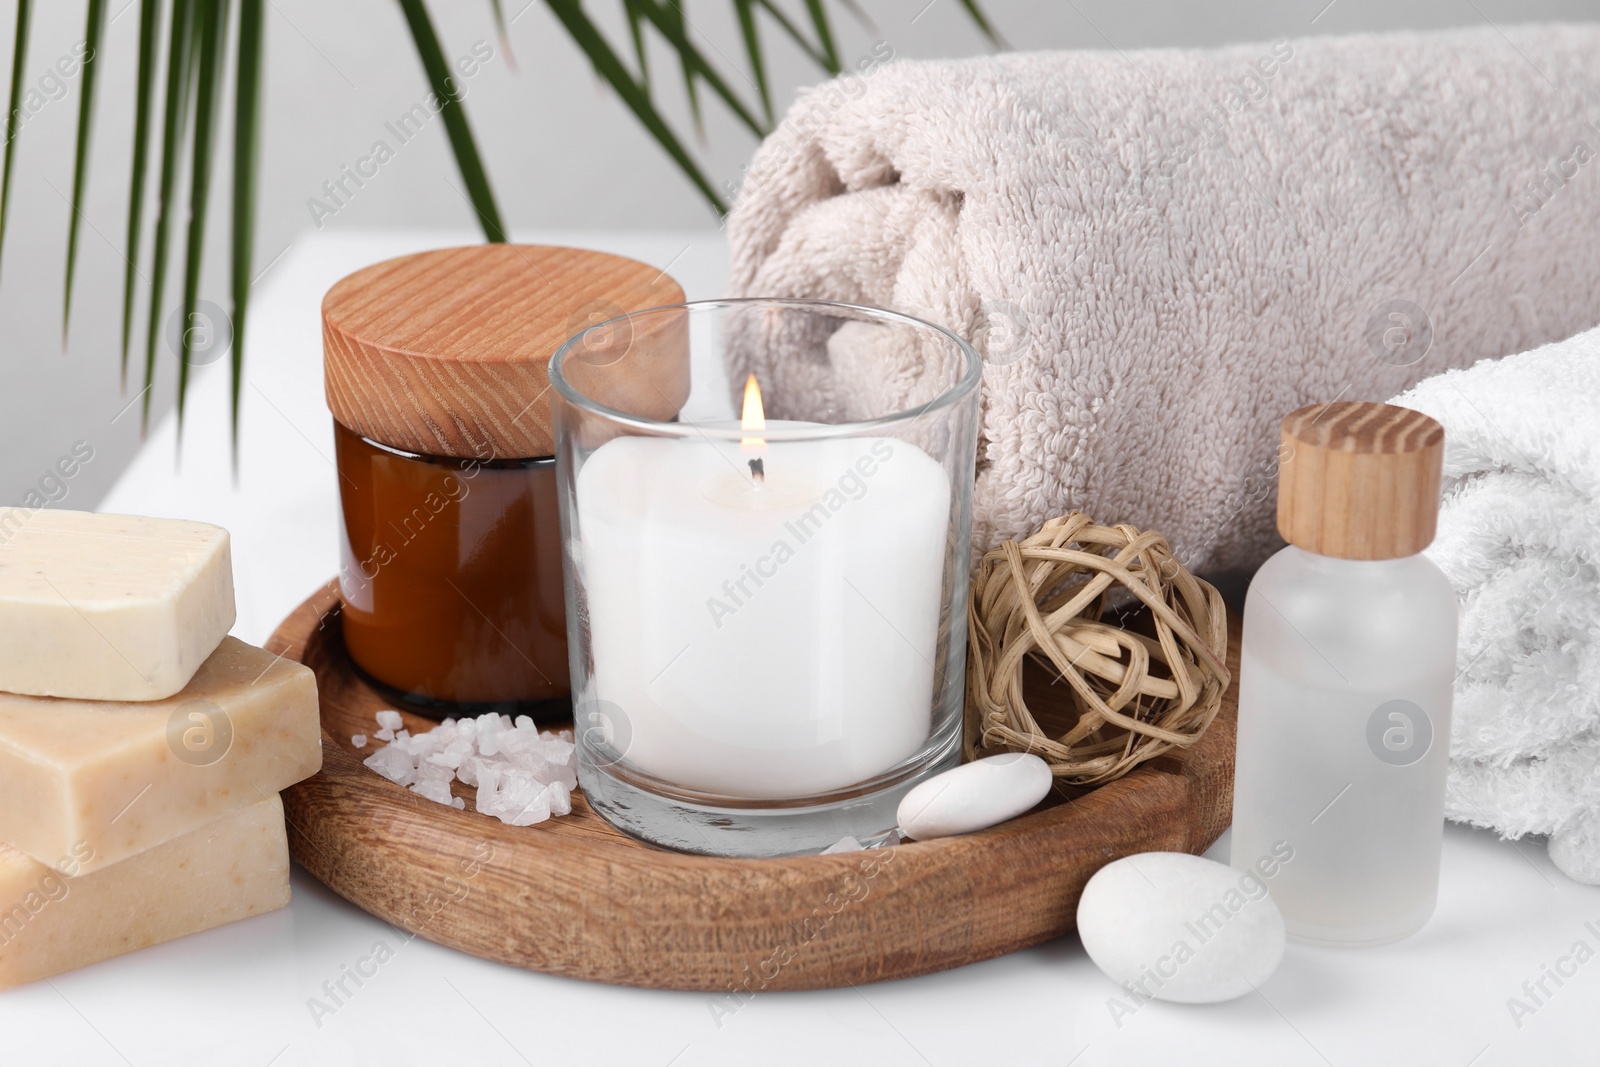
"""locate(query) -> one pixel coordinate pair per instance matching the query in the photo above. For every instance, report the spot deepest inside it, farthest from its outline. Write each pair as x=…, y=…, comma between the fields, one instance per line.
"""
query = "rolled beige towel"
x=1160, y=253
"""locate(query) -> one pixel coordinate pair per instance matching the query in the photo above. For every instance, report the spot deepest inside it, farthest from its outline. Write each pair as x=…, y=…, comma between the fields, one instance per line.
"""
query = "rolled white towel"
x=1519, y=538
x=1513, y=546
x=1528, y=795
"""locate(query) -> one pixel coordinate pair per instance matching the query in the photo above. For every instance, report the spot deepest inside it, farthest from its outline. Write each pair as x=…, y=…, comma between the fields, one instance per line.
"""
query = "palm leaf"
x=668, y=18
x=80, y=167
x=861, y=14
x=752, y=49
x=636, y=32
x=455, y=119
x=588, y=37
x=983, y=23
x=210, y=30
x=672, y=12
x=794, y=32
x=175, y=115
x=819, y=22
x=19, y=61
x=246, y=129
x=503, y=31
x=149, y=30
x=197, y=36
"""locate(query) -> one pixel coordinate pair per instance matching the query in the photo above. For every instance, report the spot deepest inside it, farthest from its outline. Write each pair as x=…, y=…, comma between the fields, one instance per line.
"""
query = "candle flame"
x=754, y=419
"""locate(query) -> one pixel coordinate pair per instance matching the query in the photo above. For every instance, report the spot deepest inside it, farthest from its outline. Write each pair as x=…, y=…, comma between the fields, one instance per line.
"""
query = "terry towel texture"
x=1519, y=538
x=1161, y=253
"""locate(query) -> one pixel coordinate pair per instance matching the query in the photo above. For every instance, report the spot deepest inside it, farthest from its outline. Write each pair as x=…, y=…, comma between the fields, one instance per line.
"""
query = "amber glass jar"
x=422, y=610
x=451, y=570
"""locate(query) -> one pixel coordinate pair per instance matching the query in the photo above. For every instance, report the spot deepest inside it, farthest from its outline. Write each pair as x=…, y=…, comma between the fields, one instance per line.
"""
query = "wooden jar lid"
x=1359, y=480
x=445, y=352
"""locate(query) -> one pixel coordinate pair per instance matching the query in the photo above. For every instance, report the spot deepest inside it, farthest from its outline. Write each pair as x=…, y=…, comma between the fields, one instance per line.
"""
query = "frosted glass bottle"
x=1347, y=667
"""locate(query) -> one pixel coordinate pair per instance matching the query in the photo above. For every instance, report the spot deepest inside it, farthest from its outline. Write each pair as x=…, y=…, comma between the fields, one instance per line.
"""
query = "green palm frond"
x=455, y=119
x=981, y=20
x=640, y=49
x=92, y=35
x=751, y=35
x=667, y=17
x=149, y=35
x=175, y=117
x=502, y=30
x=190, y=75
x=19, y=63
x=819, y=22
x=246, y=137
x=794, y=33
x=588, y=37
x=212, y=25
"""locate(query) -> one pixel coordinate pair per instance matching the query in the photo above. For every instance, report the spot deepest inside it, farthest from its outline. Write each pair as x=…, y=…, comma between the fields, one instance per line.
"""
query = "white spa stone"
x=974, y=796
x=109, y=607
x=1181, y=928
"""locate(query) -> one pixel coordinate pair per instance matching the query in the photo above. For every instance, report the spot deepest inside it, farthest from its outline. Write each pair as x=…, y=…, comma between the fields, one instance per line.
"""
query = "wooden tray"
x=574, y=897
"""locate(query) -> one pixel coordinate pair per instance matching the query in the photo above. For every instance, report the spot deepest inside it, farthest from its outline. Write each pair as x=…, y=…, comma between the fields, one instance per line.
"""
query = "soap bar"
x=974, y=796
x=118, y=778
x=109, y=607
x=227, y=870
x=1182, y=928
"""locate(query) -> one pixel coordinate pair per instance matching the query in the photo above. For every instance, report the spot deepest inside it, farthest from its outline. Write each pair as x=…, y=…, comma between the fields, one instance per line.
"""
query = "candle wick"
x=758, y=470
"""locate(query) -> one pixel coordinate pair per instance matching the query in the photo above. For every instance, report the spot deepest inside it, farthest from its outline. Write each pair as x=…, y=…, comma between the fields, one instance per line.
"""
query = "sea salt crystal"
x=489, y=775
x=555, y=750
x=393, y=764
x=450, y=757
x=844, y=844
x=560, y=798
x=535, y=809
x=359, y=740
x=523, y=776
x=433, y=772
x=517, y=790
x=434, y=789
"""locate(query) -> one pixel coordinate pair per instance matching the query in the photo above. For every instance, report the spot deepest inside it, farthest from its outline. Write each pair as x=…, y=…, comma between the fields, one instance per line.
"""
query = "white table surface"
x=240, y=994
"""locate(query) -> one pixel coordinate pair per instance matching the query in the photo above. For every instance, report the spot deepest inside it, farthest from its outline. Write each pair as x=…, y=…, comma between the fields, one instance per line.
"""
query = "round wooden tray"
x=571, y=896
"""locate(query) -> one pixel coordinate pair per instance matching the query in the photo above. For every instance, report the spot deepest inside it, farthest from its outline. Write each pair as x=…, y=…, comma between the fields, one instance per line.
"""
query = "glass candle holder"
x=766, y=596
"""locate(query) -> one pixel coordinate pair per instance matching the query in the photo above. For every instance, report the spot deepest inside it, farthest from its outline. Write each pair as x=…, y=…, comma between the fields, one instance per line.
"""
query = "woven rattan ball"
x=1137, y=696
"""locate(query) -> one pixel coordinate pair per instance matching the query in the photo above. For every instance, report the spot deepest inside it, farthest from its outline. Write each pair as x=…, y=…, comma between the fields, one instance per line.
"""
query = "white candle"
x=764, y=639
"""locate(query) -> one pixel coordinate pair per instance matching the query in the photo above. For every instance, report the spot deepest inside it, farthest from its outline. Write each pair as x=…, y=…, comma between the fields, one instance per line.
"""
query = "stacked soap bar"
x=109, y=607
x=141, y=748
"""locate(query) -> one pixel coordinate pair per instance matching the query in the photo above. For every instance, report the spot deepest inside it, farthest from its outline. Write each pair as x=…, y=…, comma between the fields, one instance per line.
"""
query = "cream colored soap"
x=122, y=778
x=227, y=870
x=109, y=607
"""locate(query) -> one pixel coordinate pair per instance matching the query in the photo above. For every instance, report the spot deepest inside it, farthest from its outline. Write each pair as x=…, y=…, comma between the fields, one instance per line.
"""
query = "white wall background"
x=562, y=152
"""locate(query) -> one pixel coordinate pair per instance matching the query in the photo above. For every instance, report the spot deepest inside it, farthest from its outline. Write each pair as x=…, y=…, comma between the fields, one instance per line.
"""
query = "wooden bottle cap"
x=445, y=352
x=1359, y=480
